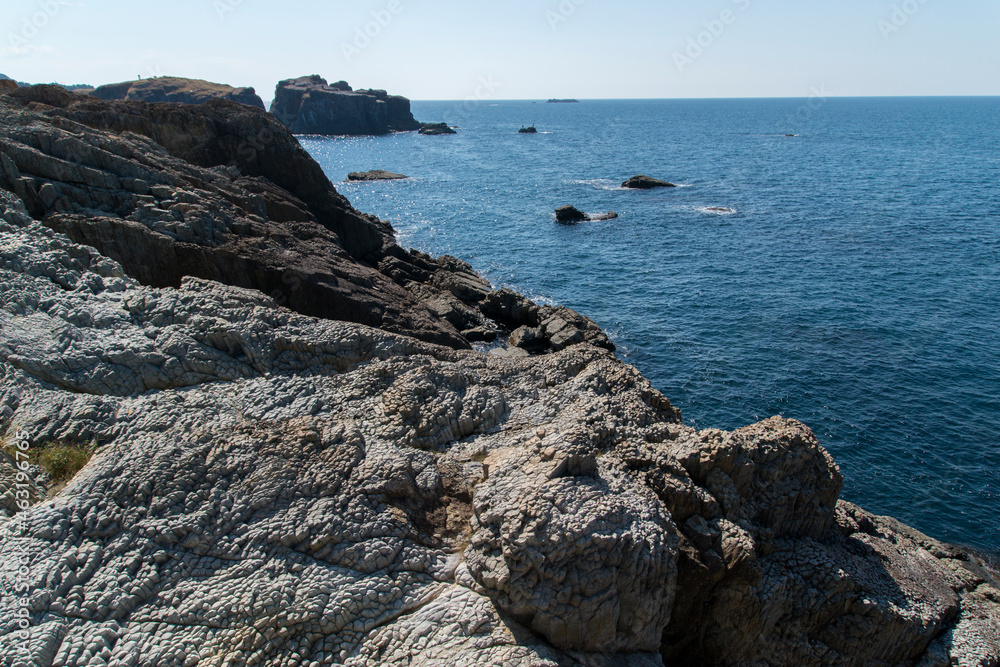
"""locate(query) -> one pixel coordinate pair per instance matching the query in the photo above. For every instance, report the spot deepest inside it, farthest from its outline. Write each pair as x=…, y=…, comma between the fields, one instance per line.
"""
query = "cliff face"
x=174, y=89
x=277, y=489
x=308, y=105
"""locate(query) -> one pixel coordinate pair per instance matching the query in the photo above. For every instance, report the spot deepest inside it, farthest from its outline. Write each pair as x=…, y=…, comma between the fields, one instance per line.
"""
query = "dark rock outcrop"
x=646, y=183
x=7, y=85
x=434, y=129
x=375, y=175
x=176, y=89
x=308, y=105
x=570, y=215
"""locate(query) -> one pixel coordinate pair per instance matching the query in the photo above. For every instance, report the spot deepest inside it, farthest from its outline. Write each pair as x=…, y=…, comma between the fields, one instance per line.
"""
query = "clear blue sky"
x=529, y=49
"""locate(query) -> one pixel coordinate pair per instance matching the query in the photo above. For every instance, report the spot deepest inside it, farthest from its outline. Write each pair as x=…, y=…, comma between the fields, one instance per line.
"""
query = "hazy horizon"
x=524, y=50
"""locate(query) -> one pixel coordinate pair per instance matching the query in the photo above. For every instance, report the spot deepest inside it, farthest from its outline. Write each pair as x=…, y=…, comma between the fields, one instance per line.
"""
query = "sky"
x=519, y=49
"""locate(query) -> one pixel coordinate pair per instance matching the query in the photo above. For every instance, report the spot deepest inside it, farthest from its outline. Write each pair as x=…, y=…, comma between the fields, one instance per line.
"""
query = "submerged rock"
x=176, y=89
x=646, y=183
x=375, y=175
x=307, y=105
x=436, y=129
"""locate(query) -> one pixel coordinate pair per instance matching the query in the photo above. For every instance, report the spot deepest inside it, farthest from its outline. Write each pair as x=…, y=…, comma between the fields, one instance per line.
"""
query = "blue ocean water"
x=853, y=281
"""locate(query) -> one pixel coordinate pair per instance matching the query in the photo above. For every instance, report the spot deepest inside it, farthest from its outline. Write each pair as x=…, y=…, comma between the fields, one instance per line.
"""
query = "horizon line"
x=744, y=97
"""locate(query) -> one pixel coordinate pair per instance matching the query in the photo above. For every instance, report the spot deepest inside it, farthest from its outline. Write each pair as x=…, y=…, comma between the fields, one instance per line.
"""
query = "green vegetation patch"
x=61, y=461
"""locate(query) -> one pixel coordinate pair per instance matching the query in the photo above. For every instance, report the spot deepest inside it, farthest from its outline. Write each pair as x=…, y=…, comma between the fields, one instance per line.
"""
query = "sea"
x=835, y=261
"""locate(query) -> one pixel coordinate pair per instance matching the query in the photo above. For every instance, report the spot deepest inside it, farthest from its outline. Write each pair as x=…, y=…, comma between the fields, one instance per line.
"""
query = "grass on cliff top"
x=61, y=461
x=174, y=84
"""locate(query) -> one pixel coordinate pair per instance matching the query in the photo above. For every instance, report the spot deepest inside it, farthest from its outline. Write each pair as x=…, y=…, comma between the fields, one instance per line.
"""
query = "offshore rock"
x=308, y=105
x=570, y=215
x=176, y=89
x=646, y=183
x=436, y=129
x=375, y=175
x=278, y=489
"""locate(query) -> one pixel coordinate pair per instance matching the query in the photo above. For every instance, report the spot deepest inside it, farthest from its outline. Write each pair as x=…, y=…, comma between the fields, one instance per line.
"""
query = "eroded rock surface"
x=273, y=488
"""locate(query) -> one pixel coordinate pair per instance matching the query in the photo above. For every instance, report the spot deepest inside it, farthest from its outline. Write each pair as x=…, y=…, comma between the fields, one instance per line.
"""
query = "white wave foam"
x=599, y=183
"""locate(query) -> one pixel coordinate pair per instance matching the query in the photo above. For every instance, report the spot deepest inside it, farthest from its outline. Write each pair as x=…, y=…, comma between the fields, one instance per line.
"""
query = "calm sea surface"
x=853, y=281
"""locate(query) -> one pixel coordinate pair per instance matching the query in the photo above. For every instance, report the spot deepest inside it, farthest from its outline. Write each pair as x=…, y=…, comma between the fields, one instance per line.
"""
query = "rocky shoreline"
x=302, y=460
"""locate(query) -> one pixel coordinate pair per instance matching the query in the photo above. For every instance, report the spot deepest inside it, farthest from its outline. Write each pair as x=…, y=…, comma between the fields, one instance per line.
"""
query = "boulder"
x=176, y=89
x=7, y=85
x=375, y=175
x=308, y=105
x=436, y=129
x=646, y=183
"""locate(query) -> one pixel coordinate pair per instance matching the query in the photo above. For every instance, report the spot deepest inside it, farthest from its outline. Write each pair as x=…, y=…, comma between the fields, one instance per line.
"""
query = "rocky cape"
x=337, y=479
x=175, y=89
x=309, y=105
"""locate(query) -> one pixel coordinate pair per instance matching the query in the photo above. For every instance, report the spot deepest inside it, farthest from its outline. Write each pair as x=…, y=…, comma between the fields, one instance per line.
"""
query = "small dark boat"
x=531, y=129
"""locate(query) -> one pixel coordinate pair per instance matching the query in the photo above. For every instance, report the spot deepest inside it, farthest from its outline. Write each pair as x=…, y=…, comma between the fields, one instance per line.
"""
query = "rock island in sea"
x=301, y=460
